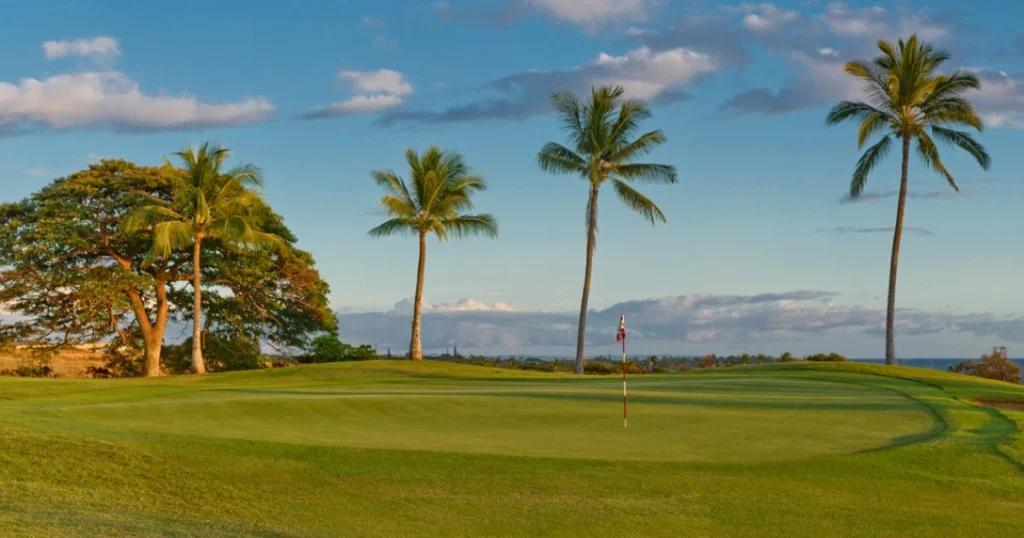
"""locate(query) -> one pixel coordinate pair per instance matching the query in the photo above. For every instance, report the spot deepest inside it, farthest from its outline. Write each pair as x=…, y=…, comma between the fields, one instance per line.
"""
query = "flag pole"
x=621, y=337
x=625, y=415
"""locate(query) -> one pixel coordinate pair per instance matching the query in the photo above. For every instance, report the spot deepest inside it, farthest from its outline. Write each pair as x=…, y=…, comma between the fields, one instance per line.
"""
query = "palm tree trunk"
x=198, y=365
x=890, y=311
x=591, y=241
x=415, y=348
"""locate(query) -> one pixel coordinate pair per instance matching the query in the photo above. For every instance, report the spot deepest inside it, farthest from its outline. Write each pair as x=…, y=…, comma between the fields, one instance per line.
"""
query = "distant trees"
x=602, y=148
x=907, y=98
x=996, y=365
x=435, y=200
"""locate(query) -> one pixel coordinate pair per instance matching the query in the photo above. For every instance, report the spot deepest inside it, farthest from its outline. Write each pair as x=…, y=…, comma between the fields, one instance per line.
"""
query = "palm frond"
x=638, y=202
x=965, y=142
x=929, y=153
x=465, y=225
x=871, y=125
x=145, y=217
x=640, y=147
x=555, y=158
x=647, y=173
x=867, y=162
x=396, y=226
x=169, y=236
x=847, y=110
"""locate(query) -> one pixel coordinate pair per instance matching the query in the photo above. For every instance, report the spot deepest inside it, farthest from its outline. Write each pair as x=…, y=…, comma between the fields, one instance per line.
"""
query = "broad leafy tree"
x=435, y=199
x=72, y=276
x=604, y=147
x=909, y=102
x=207, y=203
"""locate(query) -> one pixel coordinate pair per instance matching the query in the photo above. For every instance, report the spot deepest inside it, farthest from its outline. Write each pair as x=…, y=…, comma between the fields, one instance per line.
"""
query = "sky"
x=762, y=252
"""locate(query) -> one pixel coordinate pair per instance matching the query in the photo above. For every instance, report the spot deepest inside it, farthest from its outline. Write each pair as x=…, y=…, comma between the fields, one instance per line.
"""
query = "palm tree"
x=208, y=204
x=435, y=200
x=907, y=98
x=603, y=149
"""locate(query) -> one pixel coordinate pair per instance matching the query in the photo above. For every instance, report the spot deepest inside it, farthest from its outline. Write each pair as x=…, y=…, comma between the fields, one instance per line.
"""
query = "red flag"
x=622, y=329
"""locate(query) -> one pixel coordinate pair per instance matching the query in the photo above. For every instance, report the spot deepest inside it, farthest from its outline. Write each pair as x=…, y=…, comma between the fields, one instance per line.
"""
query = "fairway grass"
x=394, y=448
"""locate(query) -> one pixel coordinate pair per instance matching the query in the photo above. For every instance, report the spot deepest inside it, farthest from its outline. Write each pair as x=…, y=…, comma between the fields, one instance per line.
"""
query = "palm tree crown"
x=603, y=148
x=907, y=98
x=207, y=203
x=435, y=199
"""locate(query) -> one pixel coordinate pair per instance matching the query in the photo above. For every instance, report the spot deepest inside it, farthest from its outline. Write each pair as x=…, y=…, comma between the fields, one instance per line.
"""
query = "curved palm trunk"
x=890, y=312
x=198, y=365
x=415, y=348
x=591, y=240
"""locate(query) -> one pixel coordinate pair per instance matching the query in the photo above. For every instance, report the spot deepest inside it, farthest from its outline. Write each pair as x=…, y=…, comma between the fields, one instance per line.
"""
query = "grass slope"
x=435, y=449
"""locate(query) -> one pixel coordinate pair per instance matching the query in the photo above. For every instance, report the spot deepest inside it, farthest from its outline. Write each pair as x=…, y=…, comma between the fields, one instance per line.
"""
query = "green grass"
x=435, y=449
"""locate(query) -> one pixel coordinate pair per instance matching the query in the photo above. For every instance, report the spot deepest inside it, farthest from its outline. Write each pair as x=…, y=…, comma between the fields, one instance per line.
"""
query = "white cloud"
x=405, y=306
x=376, y=91
x=107, y=97
x=866, y=22
x=95, y=98
x=763, y=17
x=384, y=81
x=96, y=48
x=1000, y=101
x=372, y=22
x=363, y=104
x=591, y=14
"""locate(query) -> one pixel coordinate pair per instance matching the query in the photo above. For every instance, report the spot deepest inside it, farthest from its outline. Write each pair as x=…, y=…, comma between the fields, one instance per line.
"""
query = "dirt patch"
x=1004, y=404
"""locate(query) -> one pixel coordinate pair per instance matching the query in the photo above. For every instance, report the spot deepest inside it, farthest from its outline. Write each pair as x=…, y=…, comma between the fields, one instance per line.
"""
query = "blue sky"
x=741, y=91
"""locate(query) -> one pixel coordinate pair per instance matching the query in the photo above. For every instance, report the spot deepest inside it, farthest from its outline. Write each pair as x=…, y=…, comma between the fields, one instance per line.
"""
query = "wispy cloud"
x=871, y=197
x=644, y=73
x=889, y=230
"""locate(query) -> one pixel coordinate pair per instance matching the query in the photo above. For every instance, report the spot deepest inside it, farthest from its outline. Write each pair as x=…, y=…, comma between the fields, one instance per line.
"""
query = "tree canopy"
x=72, y=276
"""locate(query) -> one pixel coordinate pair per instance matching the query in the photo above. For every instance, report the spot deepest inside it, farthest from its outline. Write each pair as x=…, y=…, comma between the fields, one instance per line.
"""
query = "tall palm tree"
x=603, y=148
x=208, y=204
x=906, y=98
x=435, y=200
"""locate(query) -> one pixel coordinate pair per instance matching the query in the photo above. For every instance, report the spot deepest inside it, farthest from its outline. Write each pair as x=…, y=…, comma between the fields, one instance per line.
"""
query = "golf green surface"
x=394, y=448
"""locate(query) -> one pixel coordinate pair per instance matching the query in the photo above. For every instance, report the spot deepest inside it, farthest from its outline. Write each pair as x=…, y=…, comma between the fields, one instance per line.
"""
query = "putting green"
x=681, y=418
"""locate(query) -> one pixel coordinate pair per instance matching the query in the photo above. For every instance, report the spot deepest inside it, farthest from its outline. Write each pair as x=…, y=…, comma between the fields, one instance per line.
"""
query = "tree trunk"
x=198, y=365
x=591, y=241
x=415, y=347
x=890, y=312
x=152, y=331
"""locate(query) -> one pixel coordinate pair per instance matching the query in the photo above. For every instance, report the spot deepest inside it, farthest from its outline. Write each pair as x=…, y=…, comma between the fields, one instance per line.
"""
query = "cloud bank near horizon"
x=806, y=320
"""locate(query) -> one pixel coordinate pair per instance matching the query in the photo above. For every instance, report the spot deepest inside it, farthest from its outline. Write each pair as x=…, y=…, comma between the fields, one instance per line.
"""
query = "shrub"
x=221, y=353
x=328, y=348
x=996, y=366
x=831, y=357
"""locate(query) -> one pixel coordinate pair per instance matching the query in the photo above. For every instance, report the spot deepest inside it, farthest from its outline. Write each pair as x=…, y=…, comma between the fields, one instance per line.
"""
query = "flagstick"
x=625, y=416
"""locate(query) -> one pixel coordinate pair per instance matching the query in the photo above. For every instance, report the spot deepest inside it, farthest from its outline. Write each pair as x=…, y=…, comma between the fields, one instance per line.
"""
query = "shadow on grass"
x=610, y=397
